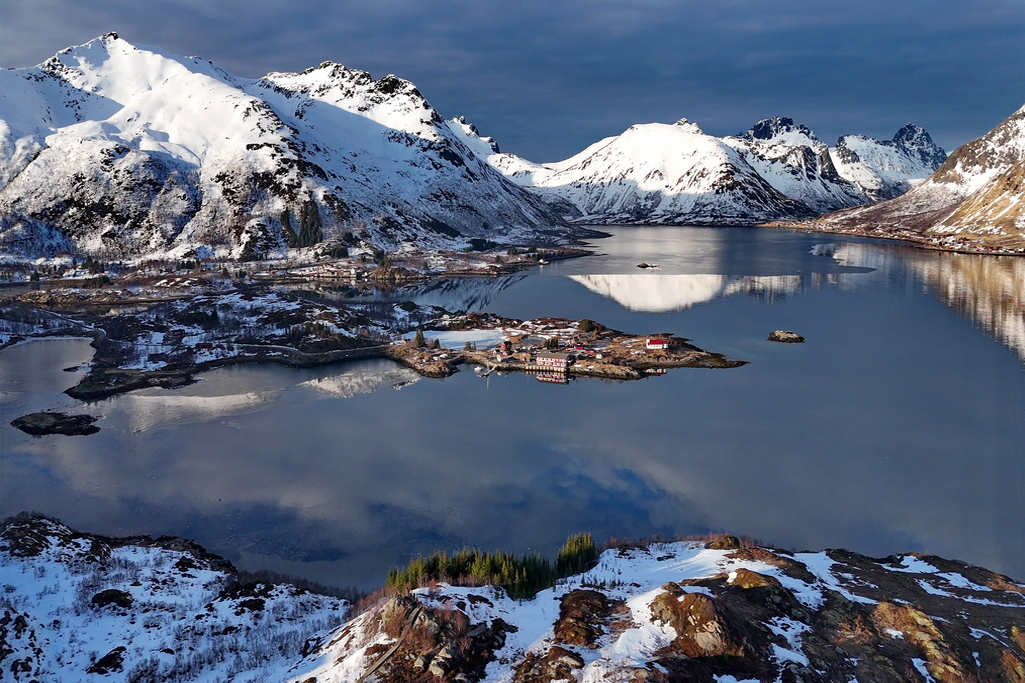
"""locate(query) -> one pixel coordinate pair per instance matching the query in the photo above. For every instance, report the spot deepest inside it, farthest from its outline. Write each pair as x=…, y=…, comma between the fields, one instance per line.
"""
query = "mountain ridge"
x=676, y=174
x=974, y=201
x=122, y=151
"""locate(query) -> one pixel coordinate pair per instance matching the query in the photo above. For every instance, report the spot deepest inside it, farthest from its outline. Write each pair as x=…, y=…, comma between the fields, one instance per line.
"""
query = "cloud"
x=547, y=78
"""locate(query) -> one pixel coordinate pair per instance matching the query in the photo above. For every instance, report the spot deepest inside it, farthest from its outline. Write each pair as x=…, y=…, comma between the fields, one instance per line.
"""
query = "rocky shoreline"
x=957, y=245
x=106, y=379
x=167, y=343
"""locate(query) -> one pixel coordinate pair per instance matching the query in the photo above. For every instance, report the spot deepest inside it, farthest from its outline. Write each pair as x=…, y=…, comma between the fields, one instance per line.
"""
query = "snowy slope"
x=122, y=151
x=684, y=612
x=889, y=168
x=676, y=174
x=975, y=197
x=77, y=607
x=655, y=173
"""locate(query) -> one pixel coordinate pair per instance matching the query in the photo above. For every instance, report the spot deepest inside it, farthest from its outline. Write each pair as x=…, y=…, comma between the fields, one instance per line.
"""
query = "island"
x=163, y=330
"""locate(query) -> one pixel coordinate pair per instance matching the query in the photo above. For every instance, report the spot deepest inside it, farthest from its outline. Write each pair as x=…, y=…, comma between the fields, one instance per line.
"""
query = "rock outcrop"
x=684, y=612
x=785, y=336
x=41, y=424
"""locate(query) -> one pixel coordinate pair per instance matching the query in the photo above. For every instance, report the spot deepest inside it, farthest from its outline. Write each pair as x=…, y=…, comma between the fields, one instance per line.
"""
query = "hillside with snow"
x=123, y=151
x=657, y=173
x=79, y=607
x=975, y=200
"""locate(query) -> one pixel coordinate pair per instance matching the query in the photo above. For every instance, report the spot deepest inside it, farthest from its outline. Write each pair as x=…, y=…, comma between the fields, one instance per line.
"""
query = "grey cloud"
x=548, y=78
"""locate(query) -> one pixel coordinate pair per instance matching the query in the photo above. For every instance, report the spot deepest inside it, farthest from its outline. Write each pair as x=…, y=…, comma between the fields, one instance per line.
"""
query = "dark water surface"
x=898, y=426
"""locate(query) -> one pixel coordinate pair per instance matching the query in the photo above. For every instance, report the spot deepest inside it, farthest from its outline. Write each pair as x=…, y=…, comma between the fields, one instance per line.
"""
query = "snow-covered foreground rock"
x=122, y=151
x=78, y=607
x=676, y=174
x=975, y=199
x=82, y=608
x=687, y=612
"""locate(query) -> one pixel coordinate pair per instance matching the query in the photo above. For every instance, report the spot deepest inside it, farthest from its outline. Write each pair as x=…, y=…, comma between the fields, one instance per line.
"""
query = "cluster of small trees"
x=522, y=576
x=420, y=341
x=92, y=266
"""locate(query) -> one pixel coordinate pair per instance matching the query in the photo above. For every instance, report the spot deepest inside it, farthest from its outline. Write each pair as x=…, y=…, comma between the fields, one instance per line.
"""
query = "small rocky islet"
x=51, y=422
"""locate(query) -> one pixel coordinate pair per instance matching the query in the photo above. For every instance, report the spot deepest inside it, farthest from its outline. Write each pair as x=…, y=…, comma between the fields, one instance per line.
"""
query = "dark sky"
x=548, y=77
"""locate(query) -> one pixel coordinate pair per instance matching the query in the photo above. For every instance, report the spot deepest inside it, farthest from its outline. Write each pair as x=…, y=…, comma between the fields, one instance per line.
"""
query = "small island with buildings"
x=552, y=349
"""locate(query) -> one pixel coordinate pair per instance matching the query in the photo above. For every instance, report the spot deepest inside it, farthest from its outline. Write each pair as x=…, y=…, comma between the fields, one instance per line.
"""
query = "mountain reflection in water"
x=987, y=290
x=657, y=293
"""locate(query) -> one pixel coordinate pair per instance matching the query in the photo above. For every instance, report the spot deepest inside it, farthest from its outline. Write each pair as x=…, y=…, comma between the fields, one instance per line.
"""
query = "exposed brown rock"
x=943, y=661
x=702, y=630
x=724, y=542
x=582, y=618
x=789, y=566
x=433, y=643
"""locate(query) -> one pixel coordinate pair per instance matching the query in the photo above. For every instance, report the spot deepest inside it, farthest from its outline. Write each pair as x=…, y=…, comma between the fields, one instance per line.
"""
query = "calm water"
x=898, y=426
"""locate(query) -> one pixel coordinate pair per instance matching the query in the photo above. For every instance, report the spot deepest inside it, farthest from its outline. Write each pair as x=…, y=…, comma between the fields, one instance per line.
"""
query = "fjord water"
x=897, y=427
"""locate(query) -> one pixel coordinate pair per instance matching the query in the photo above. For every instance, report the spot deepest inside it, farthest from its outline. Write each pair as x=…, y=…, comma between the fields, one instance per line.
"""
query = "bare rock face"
x=786, y=336
x=583, y=615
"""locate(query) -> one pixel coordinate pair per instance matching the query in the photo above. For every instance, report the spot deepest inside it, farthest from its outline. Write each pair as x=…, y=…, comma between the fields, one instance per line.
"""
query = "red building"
x=657, y=344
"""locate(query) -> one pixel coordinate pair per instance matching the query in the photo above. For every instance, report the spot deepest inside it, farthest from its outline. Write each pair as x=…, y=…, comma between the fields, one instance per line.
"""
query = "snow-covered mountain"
x=656, y=173
x=121, y=151
x=888, y=168
x=977, y=197
x=79, y=607
x=795, y=162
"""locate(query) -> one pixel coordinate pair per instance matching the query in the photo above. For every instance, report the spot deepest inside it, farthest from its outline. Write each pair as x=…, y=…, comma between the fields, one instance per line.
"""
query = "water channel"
x=897, y=426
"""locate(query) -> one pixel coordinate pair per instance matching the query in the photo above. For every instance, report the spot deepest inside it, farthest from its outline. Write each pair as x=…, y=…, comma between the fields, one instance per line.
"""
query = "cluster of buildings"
x=555, y=363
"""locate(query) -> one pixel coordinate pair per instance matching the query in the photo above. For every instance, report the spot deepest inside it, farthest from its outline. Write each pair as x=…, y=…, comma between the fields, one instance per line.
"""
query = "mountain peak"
x=481, y=145
x=767, y=129
x=689, y=126
x=915, y=141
